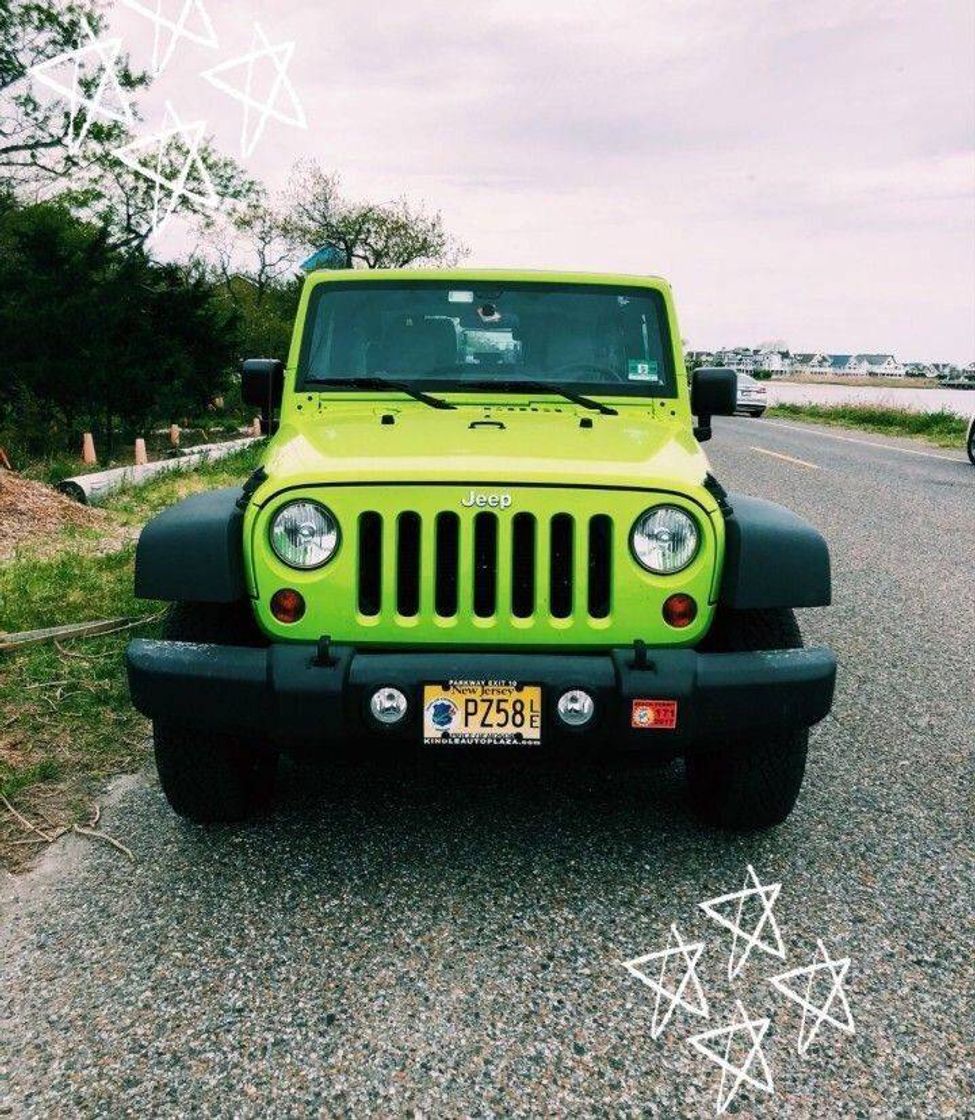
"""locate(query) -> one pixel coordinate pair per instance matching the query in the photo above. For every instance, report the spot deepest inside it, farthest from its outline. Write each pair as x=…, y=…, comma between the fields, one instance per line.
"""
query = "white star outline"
x=192, y=137
x=676, y=946
x=756, y=1029
x=768, y=894
x=108, y=51
x=837, y=970
x=207, y=38
x=281, y=55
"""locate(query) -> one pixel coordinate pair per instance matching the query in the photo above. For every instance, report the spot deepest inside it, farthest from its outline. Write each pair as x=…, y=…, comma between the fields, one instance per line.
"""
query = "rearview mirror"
x=262, y=385
x=714, y=392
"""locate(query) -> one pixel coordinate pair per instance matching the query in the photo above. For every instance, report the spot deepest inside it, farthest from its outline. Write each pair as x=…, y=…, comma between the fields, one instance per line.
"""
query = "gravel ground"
x=401, y=944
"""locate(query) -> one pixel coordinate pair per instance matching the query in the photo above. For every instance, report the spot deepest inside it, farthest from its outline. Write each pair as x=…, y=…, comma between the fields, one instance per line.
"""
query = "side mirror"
x=262, y=385
x=714, y=392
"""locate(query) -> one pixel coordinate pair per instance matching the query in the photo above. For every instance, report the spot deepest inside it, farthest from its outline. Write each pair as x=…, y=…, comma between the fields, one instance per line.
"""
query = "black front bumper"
x=298, y=692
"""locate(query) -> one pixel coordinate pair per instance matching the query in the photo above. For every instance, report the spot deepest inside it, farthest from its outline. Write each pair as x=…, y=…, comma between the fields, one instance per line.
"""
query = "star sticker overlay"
x=109, y=90
x=821, y=967
x=668, y=997
x=256, y=112
x=766, y=894
x=191, y=23
x=739, y=1075
x=191, y=181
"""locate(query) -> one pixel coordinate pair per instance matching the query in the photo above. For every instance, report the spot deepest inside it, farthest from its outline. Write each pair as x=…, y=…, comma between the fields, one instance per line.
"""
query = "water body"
x=959, y=401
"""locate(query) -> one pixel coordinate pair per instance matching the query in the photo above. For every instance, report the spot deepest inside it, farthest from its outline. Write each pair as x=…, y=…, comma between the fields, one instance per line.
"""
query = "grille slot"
x=523, y=565
x=485, y=564
x=600, y=560
x=517, y=567
x=370, y=563
x=408, y=564
x=560, y=566
x=448, y=555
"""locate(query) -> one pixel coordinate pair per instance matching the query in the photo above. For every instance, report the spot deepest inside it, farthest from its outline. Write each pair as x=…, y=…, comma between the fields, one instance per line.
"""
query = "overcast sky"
x=798, y=171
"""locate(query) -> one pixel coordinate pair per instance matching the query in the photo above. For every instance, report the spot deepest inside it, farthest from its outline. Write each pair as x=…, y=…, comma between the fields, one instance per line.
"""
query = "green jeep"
x=483, y=523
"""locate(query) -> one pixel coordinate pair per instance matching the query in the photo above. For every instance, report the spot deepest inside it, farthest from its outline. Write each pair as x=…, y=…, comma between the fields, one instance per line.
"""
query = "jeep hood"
x=530, y=443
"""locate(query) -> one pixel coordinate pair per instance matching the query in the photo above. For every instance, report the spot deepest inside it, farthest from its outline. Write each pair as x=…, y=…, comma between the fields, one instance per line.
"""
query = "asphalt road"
x=451, y=945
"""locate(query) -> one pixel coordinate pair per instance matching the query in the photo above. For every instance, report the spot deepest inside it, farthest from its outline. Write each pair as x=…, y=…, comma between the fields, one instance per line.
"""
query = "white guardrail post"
x=90, y=489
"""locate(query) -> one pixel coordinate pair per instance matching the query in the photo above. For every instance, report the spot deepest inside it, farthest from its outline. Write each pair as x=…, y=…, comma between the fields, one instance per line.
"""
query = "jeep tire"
x=740, y=783
x=212, y=776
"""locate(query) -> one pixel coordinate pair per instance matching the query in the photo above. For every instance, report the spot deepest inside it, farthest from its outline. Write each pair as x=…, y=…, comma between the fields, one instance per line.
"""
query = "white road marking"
x=865, y=442
x=788, y=458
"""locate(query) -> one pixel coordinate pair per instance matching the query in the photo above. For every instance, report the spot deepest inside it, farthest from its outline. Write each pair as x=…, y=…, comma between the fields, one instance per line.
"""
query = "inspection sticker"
x=637, y=370
x=654, y=715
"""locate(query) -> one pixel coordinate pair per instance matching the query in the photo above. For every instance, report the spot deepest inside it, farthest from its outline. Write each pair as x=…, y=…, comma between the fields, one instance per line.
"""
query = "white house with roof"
x=772, y=361
x=881, y=365
x=919, y=369
x=865, y=365
x=945, y=369
x=700, y=357
x=810, y=363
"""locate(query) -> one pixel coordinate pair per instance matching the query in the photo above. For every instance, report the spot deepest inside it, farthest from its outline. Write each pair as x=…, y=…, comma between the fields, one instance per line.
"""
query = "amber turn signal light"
x=679, y=611
x=287, y=605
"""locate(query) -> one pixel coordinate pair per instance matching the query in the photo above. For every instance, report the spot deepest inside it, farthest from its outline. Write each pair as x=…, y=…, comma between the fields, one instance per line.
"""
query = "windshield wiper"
x=380, y=383
x=539, y=387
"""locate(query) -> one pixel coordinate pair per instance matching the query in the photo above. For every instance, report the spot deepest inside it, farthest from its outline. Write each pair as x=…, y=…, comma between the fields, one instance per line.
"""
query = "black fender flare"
x=193, y=551
x=772, y=558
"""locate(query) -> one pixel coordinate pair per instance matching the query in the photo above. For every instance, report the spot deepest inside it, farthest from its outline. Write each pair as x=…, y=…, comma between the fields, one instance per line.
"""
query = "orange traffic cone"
x=88, y=456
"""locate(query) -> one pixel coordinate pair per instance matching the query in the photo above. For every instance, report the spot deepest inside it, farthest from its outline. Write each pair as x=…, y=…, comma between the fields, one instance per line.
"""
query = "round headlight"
x=304, y=535
x=665, y=539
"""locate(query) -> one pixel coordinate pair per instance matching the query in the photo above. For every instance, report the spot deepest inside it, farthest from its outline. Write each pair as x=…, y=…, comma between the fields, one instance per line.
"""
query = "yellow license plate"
x=491, y=713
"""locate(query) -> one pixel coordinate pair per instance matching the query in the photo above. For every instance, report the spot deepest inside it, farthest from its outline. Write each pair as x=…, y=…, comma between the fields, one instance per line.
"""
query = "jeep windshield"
x=454, y=335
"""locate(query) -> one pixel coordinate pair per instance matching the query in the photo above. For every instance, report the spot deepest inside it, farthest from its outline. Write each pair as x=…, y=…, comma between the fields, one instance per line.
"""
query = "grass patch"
x=135, y=505
x=943, y=429
x=66, y=723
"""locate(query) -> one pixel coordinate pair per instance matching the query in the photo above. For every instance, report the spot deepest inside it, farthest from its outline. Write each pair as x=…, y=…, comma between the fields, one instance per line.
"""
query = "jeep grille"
x=521, y=564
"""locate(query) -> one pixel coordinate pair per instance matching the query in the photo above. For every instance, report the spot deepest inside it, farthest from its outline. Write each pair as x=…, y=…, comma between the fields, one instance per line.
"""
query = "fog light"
x=575, y=707
x=388, y=705
x=287, y=605
x=680, y=611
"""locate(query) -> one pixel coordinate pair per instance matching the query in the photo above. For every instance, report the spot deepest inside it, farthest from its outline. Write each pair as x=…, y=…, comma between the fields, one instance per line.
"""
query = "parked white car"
x=752, y=396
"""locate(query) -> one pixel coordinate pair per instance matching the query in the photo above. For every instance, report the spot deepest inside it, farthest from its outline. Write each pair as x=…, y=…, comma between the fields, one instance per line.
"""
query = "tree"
x=98, y=338
x=35, y=133
x=37, y=126
x=369, y=235
x=253, y=269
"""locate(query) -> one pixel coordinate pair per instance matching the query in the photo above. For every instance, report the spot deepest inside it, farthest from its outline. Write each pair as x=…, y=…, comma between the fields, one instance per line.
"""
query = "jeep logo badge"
x=494, y=501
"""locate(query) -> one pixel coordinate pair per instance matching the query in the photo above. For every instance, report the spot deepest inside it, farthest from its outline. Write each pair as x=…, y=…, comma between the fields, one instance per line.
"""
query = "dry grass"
x=66, y=724
x=32, y=515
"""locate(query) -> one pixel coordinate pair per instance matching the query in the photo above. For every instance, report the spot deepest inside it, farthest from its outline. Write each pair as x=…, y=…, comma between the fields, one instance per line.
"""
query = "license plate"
x=490, y=713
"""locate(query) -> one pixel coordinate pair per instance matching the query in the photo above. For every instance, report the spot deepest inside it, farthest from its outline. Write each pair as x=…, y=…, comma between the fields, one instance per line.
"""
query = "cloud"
x=795, y=168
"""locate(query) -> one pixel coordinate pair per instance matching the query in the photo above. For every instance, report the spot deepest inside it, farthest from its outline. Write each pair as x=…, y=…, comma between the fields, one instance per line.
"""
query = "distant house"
x=880, y=365
x=696, y=358
x=919, y=369
x=865, y=365
x=772, y=361
x=946, y=371
x=844, y=364
x=741, y=359
x=810, y=363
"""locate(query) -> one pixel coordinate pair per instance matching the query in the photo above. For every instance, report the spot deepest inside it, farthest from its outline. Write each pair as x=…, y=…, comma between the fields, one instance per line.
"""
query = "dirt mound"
x=30, y=512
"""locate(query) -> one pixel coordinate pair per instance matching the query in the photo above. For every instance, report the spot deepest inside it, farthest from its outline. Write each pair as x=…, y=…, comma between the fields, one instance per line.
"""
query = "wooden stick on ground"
x=24, y=821
x=72, y=630
x=95, y=835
